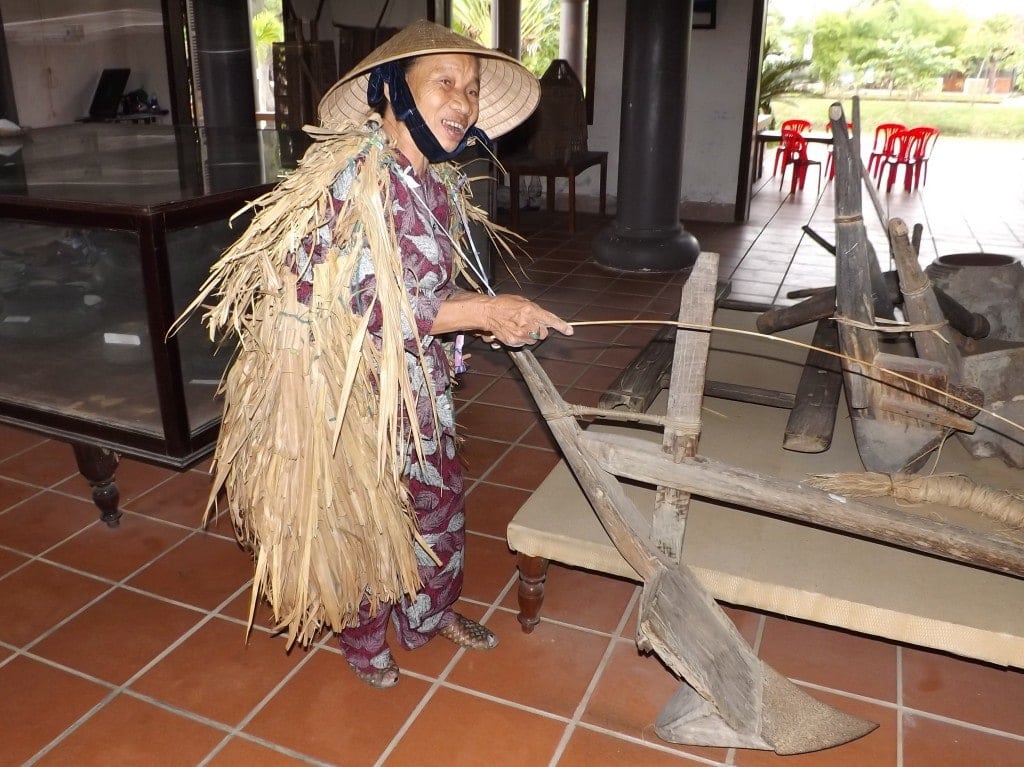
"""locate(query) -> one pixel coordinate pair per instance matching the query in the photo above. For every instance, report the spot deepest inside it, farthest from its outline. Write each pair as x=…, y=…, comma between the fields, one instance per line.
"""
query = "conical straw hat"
x=508, y=91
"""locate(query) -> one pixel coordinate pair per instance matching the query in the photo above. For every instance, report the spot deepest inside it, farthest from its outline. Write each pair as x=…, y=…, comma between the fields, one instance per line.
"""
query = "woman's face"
x=446, y=88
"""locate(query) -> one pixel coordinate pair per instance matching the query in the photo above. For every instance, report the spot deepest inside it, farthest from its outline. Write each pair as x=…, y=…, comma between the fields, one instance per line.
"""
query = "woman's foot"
x=468, y=633
x=381, y=678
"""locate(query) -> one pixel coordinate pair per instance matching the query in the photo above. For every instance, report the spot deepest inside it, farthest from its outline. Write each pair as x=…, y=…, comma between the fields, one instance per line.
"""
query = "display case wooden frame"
x=173, y=179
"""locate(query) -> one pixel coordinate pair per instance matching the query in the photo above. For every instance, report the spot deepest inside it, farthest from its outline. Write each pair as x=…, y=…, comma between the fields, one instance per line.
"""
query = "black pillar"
x=507, y=20
x=646, y=234
x=224, y=59
x=8, y=107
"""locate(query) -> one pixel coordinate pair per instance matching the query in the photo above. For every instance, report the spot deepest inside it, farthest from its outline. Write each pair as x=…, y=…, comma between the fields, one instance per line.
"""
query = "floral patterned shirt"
x=421, y=209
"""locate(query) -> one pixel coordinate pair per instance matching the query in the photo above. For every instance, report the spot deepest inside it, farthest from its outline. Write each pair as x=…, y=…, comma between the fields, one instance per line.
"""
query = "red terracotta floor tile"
x=10, y=560
x=617, y=357
x=181, y=499
x=203, y=571
x=585, y=397
x=37, y=597
x=132, y=479
x=12, y=493
x=487, y=361
x=599, y=335
x=961, y=689
x=549, y=669
x=831, y=658
x=579, y=351
x=116, y=553
x=539, y=435
x=931, y=743
x=99, y=642
x=478, y=455
x=746, y=621
x=563, y=372
x=43, y=464
x=14, y=440
x=238, y=609
x=45, y=520
x=523, y=467
x=509, y=392
x=129, y=731
x=240, y=752
x=218, y=673
x=582, y=598
x=493, y=422
x=46, y=703
x=489, y=568
x=587, y=748
x=489, y=508
x=325, y=712
x=463, y=729
x=596, y=283
x=876, y=749
x=632, y=690
x=598, y=378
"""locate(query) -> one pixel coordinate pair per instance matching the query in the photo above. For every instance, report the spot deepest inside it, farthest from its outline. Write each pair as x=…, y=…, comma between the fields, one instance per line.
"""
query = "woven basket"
x=560, y=122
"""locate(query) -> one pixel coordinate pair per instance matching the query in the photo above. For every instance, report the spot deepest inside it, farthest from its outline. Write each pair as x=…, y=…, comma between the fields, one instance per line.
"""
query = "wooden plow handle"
x=730, y=698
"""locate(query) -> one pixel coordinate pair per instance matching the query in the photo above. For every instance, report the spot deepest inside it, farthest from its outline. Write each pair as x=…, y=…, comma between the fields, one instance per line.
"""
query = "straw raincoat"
x=315, y=449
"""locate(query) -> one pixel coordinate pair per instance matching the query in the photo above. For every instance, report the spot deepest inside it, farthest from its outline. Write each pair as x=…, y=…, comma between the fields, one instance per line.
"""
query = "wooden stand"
x=730, y=697
x=552, y=169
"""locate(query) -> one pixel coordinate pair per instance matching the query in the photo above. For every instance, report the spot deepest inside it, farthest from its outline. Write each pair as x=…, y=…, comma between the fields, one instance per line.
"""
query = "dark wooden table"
x=774, y=136
x=569, y=168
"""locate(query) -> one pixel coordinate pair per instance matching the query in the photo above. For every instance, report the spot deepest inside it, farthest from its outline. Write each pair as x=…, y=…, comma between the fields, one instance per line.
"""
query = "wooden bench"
x=522, y=165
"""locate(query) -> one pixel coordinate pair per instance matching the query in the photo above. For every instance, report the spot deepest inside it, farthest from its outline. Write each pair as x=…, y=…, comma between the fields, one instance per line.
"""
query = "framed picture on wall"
x=704, y=14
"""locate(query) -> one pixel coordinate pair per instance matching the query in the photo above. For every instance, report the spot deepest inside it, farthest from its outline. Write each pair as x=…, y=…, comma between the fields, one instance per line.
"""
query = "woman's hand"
x=510, y=319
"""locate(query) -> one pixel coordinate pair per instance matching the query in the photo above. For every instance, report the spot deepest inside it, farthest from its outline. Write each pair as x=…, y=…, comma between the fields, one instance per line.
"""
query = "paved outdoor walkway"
x=973, y=201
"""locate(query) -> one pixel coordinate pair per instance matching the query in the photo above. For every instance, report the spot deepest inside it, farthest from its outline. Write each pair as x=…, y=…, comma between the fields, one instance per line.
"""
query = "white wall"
x=57, y=61
x=714, y=100
x=57, y=50
x=715, y=105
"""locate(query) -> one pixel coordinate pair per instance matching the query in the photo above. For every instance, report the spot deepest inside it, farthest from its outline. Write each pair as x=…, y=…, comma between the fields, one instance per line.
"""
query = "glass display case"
x=106, y=234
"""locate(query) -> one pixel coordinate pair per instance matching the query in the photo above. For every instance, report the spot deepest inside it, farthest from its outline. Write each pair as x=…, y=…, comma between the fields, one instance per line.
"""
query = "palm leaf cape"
x=312, y=444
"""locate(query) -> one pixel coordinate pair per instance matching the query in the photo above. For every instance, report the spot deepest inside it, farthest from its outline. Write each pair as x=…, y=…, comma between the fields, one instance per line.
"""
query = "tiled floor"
x=128, y=645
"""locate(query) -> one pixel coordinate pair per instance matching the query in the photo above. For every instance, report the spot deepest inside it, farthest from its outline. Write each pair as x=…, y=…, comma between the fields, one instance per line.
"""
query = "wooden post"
x=685, y=395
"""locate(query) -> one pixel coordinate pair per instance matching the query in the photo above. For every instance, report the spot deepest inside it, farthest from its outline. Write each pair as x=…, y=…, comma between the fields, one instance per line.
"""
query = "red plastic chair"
x=799, y=126
x=904, y=147
x=926, y=136
x=794, y=148
x=882, y=146
x=830, y=167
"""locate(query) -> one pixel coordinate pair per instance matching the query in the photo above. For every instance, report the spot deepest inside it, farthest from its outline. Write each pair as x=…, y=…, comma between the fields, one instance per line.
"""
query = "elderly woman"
x=337, y=449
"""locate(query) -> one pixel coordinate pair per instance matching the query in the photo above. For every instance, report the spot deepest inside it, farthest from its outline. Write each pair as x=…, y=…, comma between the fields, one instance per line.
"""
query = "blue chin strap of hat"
x=404, y=107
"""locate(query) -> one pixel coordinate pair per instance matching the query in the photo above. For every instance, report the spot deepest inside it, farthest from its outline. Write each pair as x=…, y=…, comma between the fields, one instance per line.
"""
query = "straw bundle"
x=953, y=490
x=312, y=445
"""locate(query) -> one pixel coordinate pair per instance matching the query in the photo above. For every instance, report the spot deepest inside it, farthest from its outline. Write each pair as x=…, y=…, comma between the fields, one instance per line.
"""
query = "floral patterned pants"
x=440, y=512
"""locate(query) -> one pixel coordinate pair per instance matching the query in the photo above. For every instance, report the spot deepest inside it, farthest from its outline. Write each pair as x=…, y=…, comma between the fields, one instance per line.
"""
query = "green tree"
x=993, y=45
x=913, y=64
x=267, y=29
x=538, y=36
x=779, y=76
x=830, y=40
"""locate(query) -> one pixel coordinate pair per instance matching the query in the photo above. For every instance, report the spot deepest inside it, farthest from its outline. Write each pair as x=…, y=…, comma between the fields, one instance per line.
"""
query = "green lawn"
x=977, y=120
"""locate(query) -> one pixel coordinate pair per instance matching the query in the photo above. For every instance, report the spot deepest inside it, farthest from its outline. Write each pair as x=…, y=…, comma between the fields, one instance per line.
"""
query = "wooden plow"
x=905, y=390
x=729, y=697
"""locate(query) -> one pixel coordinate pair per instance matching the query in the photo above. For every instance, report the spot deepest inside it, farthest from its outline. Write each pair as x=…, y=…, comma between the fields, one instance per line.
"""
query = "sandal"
x=469, y=634
x=381, y=678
